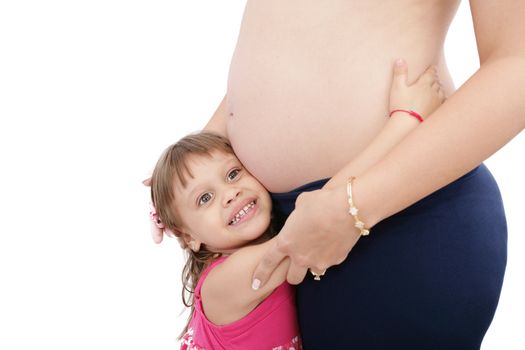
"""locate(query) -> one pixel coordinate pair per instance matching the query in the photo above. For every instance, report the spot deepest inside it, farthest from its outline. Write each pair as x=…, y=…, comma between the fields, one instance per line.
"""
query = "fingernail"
x=399, y=62
x=256, y=284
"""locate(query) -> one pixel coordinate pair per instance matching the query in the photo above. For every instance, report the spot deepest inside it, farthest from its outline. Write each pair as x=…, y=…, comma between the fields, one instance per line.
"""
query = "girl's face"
x=222, y=206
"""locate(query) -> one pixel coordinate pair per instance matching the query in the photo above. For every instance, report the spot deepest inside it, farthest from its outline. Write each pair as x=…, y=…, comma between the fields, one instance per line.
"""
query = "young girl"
x=221, y=214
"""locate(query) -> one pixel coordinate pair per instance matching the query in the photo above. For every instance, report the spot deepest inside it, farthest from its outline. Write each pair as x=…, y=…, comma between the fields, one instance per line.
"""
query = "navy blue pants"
x=428, y=277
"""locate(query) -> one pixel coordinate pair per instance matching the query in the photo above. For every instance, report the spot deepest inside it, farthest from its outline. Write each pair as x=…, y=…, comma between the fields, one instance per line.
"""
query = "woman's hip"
x=427, y=276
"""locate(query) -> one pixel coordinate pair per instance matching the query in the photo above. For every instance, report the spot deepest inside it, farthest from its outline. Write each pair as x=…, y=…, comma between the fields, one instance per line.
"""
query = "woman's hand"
x=318, y=234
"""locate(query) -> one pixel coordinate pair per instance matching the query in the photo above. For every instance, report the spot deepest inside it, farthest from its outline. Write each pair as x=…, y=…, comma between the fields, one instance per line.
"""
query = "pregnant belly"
x=304, y=100
x=288, y=132
x=289, y=135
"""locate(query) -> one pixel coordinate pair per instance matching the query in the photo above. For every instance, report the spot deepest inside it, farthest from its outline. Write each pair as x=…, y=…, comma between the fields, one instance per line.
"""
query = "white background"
x=90, y=93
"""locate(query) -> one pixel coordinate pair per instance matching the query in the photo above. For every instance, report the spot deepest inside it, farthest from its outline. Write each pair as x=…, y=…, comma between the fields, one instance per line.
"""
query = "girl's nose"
x=230, y=196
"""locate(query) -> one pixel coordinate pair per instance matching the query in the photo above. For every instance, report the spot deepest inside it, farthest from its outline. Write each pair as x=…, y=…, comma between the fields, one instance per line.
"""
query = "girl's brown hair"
x=173, y=164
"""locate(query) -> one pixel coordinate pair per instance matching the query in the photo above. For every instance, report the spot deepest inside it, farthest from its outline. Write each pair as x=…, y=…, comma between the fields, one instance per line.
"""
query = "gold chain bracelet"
x=352, y=210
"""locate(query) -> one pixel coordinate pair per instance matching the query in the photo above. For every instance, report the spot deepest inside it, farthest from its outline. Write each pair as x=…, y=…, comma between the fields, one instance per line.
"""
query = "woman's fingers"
x=267, y=265
x=296, y=273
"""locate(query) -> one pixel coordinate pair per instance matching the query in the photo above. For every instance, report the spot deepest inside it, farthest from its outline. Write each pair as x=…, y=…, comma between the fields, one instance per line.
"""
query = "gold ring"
x=317, y=276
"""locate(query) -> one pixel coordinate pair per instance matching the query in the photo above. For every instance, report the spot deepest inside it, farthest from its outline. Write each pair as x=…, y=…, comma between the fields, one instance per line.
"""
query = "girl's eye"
x=232, y=175
x=205, y=198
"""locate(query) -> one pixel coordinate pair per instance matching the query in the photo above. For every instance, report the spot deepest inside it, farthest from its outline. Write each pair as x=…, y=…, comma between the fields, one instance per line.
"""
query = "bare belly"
x=309, y=80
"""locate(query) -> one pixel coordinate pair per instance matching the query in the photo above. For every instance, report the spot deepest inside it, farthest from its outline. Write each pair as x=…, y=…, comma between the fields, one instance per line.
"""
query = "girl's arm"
x=424, y=96
x=227, y=293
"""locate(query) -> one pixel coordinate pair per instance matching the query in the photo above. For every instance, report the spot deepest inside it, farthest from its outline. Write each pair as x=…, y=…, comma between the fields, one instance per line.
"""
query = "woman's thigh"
x=428, y=277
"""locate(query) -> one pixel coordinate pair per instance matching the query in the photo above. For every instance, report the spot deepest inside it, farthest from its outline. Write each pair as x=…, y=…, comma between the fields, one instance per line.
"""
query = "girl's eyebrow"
x=228, y=163
x=191, y=192
x=233, y=160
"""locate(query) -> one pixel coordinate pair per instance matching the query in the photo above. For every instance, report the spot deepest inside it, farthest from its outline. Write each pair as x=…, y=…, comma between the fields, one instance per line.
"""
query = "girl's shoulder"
x=225, y=286
x=206, y=272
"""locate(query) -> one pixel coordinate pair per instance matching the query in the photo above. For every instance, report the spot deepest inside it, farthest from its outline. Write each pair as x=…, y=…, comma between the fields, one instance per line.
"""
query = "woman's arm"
x=424, y=96
x=481, y=117
x=217, y=122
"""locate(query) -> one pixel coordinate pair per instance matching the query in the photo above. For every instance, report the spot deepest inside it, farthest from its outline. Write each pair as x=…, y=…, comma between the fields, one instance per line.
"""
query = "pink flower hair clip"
x=155, y=217
x=157, y=227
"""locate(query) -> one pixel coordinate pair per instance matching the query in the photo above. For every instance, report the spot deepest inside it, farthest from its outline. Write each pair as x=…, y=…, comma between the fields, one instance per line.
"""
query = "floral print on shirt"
x=187, y=343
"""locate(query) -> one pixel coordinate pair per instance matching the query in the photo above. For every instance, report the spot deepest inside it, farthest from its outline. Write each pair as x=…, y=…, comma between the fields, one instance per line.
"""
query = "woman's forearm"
x=485, y=114
x=395, y=129
x=424, y=95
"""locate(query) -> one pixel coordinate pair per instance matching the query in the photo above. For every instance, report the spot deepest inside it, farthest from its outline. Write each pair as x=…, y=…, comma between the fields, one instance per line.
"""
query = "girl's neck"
x=267, y=235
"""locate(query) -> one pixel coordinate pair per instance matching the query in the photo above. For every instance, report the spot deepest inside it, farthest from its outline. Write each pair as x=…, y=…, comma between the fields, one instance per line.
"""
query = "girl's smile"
x=222, y=205
x=245, y=213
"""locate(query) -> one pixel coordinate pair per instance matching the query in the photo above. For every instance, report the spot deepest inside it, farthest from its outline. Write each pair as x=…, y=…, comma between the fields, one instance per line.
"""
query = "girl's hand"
x=424, y=96
x=318, y=234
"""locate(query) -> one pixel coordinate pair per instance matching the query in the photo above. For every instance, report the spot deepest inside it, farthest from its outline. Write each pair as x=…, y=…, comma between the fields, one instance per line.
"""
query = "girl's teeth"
x=242, y=212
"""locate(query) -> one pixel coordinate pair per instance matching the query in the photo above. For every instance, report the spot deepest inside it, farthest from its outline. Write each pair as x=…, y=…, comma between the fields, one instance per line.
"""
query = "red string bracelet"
x=412, y=113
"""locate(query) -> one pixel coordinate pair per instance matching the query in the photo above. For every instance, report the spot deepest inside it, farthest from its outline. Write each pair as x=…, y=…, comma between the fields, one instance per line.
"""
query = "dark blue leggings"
x=428, y=277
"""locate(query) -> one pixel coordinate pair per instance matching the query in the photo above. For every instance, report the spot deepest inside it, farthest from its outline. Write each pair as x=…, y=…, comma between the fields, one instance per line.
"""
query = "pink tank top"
x=272, y=325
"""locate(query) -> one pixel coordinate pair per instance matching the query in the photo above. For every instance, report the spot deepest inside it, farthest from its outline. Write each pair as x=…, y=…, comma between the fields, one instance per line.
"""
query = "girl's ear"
x=176, y=232
x=195, y=246
x=191, y=242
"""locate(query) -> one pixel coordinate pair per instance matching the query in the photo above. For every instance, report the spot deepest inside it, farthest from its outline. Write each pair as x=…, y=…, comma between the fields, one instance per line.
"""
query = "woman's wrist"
x=353, y=210
x=393, y=132
x=368, y=199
